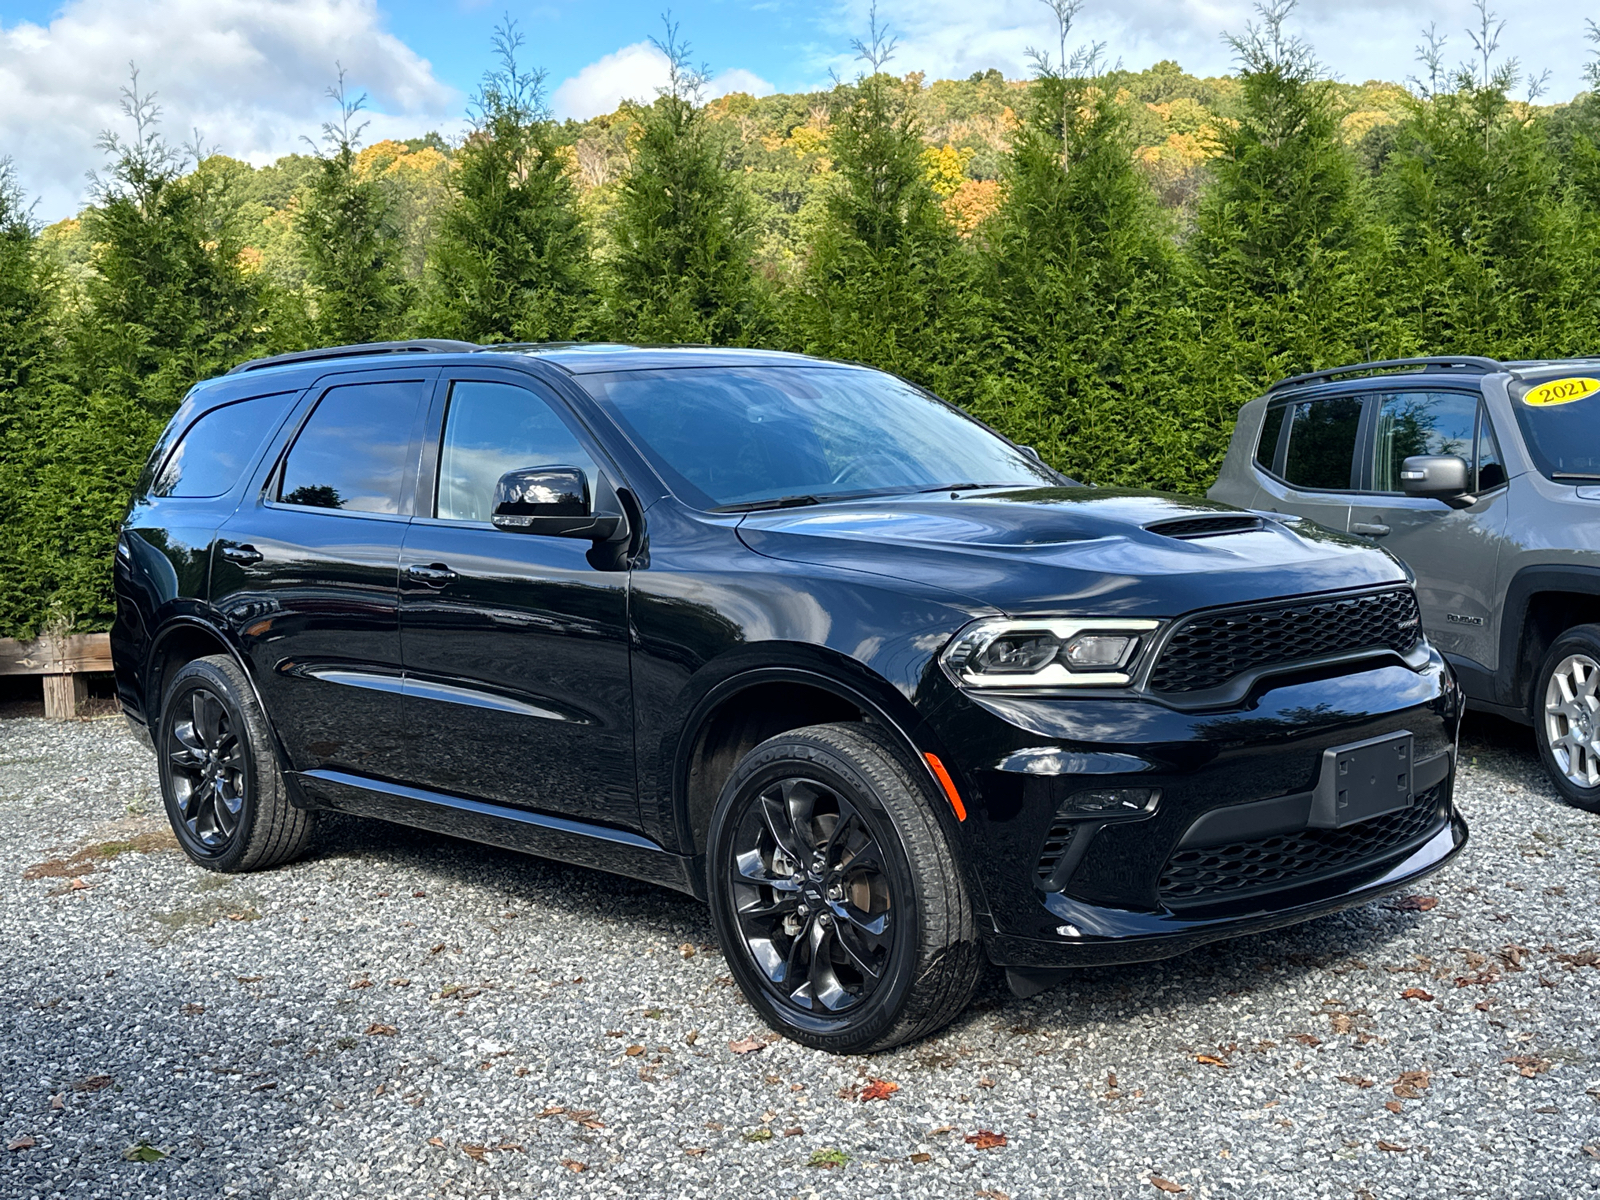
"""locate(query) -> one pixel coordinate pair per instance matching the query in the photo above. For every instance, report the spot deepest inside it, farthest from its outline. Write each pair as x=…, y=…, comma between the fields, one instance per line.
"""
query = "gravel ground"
x=408, y=1015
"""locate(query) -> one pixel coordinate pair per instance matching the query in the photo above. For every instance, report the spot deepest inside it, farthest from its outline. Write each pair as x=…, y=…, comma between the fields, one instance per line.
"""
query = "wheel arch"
x=1542, y=602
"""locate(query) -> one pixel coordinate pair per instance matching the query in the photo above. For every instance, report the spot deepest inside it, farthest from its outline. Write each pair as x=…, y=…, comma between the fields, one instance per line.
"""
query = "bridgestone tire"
x=933, y=961
x=267, y=830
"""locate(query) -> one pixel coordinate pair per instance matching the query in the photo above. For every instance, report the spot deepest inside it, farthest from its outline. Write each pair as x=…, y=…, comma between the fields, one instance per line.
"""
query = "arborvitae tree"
x=887, y=281
x=351, y=247
x=1084, y=289
x=1283, y=237
x=682, y=230
x=510, y=259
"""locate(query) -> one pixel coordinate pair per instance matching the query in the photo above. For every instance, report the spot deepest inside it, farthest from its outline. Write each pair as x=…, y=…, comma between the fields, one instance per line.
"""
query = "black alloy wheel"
x=224, y=793
x=836, y=895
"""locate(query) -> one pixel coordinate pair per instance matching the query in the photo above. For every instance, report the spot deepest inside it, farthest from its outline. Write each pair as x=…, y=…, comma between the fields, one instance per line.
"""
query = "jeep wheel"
x=1566, y=708
x=835, y=894
x=220, y=780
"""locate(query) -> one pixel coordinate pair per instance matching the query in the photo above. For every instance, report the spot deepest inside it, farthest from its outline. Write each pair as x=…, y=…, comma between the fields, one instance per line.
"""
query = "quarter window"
x=492, y=428
x=1322, y=443
x=354, y=449
x=1271, y=427
x=215, y=450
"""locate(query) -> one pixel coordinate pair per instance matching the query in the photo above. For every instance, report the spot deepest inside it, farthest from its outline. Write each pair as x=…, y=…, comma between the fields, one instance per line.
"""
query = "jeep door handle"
x=435, y=575
x=243, y=555
x=1370, y=530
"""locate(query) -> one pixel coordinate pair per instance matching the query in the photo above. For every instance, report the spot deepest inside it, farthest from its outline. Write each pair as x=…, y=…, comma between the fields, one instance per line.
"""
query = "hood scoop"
x=1190, y=528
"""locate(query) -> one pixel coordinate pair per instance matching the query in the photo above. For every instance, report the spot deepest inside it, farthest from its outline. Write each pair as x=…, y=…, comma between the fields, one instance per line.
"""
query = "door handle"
x=243, y=555
x=1371, y=530
x=434, y=575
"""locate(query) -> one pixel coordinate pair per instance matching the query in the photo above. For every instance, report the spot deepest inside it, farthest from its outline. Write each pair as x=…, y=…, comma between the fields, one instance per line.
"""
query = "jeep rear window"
x=1562, y=439
x=722, y=436
x=214, y=451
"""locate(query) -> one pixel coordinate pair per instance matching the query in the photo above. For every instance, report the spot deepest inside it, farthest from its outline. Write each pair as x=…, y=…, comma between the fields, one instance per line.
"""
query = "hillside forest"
x=1102, y=262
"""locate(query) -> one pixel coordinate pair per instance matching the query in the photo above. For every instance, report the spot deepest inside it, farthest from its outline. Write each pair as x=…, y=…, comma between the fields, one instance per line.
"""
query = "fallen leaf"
x=747, y=1045
x=691, y=1037
x=475, y=1152
x=695, y=1151
x=1393, y=1147
x=250, y=978
x=78, y=885
x=991, y=1194
x=920, y=1157
x=1342, y=1022
x=379, y=1030
x=25, y=1142
x=941, y=1129
x=1355, y=1081
x=1416, y=903
x=1394, y=1106
x=986, y=1139
x=879, y=1089
x=634, y=1051
x=193, y=1010
x=1413, y=1079
x=1166, y=1185
x=1210, y=1060
x=758, y=1135
x=1528, y=1065
x=574, y=1166
x=399, y=983
x=1308, y=1039
x=433, y=1141
x=144, y=1152
x=985, y=1082
x=793, y=1131
x=1592, y=1151
x=828, y=1158
x=686, y=950
x=1416, y=993
x=360, y=983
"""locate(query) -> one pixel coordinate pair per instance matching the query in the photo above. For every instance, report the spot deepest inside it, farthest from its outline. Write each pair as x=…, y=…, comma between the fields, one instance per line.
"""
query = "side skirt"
x=560, y=838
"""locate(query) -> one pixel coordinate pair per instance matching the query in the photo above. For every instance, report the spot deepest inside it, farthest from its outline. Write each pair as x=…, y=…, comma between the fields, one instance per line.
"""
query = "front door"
x=516, y=646
x=1454, y=552
x=306, y=571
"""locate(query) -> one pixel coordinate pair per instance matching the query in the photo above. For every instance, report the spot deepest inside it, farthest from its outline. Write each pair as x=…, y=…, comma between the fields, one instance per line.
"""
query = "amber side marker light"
x=948, y=784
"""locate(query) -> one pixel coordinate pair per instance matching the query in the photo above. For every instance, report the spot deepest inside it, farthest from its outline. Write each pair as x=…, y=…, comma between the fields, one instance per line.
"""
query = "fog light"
x=1102, y=650
x=1111, y=803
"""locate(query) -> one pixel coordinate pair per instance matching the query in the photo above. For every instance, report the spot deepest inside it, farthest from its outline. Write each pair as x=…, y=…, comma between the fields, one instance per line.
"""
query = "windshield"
x=1560, y=420
x=725, y=437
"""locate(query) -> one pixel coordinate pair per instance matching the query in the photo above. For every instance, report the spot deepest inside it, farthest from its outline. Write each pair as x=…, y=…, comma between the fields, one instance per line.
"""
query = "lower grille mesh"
x=1223, y=872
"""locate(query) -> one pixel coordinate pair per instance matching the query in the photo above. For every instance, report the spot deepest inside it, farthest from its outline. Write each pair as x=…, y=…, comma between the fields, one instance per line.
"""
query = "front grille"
x=1056, y=843
x=1208, y=650
x=1203, y=527
x=1224, y=872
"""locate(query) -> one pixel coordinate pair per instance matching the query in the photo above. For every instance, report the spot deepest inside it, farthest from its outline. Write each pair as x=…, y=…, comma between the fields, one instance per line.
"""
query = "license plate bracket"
x=1363, y=780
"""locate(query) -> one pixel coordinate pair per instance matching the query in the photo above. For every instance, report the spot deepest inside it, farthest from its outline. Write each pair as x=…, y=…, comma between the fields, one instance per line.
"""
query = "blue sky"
x=250, y=74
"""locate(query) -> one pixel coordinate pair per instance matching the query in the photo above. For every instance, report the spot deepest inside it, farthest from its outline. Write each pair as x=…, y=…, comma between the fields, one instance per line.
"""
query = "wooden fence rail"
x=63, y=661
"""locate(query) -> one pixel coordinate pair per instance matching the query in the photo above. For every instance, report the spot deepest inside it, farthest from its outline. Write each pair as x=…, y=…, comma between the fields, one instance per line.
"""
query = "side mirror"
x=552, y=502
x=1439, y=476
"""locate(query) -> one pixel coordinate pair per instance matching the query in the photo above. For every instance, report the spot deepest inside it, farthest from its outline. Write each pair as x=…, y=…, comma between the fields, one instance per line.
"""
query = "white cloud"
x=635, y=73
x=249, y=74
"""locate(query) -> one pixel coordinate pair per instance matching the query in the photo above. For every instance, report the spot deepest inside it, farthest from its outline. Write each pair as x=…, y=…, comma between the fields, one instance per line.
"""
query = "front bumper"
x=1118, y=896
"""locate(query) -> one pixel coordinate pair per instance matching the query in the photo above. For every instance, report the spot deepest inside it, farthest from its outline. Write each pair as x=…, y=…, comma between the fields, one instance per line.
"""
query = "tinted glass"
x=492, y=428
x=1421, y=423
x=1271, y=427
x=1562, y=438
x=1491, y=468
x=354, y=451
x=216, y=449
x=740, y=435
x=1322, y=443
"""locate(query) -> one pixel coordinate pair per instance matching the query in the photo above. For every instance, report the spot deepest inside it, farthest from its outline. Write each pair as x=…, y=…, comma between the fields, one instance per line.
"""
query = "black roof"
x=1460, y=364
x=576, y=358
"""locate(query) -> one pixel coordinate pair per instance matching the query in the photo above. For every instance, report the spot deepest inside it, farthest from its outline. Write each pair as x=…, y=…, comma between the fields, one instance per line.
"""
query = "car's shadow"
x=1229, y=968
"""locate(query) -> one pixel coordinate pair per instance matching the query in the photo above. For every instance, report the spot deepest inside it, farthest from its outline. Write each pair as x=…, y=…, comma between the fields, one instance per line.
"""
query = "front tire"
x=1566, y=715
x=835, y=894
x=224, y=792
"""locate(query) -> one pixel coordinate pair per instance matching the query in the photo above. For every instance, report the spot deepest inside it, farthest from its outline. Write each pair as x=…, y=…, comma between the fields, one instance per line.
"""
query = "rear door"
x=1453, y=551
x=516, y=646
x=1306, y=457
x=307, y=572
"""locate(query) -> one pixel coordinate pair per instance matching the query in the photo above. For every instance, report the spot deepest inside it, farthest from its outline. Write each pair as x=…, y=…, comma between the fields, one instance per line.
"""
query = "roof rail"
x=1467, y=363
x=414, y=346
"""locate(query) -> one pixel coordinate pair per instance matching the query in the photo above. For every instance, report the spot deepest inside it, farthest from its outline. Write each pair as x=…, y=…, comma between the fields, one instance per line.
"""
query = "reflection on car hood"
x=1070, y=550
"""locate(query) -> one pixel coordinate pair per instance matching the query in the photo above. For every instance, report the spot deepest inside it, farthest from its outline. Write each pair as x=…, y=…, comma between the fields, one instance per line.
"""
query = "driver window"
x=1421, y=423
x=492, y=428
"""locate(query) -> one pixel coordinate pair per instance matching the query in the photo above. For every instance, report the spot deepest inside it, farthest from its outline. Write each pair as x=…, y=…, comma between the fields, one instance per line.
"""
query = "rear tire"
x=835, y=894
x=1566, y=715
x=220, y=780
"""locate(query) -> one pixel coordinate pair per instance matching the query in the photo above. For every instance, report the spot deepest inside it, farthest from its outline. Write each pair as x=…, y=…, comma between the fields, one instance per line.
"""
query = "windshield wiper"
x=1580, y=475
x=759, y=505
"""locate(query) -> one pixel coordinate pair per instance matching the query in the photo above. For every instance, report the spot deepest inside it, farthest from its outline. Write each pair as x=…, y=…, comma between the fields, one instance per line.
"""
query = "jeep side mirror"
x=552, y=502
x=1439, y=476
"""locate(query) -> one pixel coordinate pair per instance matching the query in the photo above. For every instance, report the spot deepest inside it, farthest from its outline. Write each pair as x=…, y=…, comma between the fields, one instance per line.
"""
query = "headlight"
x=1045, y=653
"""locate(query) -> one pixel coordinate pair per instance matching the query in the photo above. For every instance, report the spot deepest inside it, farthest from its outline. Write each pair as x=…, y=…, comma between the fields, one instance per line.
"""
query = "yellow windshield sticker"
x=1561, y=391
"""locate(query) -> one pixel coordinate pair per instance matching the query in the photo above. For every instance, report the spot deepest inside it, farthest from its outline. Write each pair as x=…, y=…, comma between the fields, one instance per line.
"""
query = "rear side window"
x=492, y=428
x=353, y=451
x=1271, y=428
x=1322, y=443
x=215, y=449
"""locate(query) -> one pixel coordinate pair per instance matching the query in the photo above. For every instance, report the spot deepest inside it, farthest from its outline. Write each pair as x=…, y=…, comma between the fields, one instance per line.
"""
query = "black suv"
x=792, y=636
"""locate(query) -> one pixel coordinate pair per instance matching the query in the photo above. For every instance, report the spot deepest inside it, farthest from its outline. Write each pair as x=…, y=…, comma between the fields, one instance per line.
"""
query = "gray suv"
x=1484, y=478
